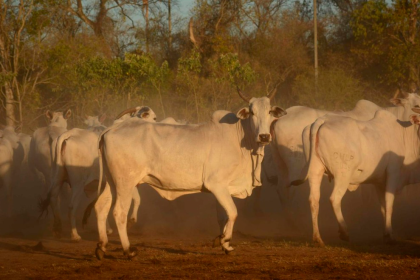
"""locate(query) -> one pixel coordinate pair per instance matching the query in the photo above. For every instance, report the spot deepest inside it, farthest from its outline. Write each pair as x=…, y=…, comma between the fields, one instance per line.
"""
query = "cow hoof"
x=344, y=236
x=217, y=241
x=389, y=240
x=99, y=253
x=229, y=250
x=318, y=242
x=76, y=238
x=131, y=254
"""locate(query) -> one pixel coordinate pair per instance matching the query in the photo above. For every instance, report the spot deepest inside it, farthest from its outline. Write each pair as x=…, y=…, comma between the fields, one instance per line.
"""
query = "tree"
x=13, y=19
x=386, y=37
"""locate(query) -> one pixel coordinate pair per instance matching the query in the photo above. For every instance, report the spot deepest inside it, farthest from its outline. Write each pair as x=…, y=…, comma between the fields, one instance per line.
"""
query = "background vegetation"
x=105, y=55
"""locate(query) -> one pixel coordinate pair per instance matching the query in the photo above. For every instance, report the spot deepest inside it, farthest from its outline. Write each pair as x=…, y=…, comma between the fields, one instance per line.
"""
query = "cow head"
x=409, y=100
x=93, y=121
x=415, y=119
x=260, y=115
x=142, y=112
x=146, y=113
x=58, y=118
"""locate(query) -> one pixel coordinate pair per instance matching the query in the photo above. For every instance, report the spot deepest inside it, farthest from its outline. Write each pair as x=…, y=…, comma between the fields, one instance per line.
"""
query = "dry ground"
x=174, y=241
x=162, y=257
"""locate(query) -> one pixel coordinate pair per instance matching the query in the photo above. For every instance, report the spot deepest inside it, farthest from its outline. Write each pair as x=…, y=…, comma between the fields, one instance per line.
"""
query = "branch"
x=124, y=13
x=81, y=14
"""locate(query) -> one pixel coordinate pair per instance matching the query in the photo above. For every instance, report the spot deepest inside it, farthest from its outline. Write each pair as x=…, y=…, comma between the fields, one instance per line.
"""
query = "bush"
x=337, y=90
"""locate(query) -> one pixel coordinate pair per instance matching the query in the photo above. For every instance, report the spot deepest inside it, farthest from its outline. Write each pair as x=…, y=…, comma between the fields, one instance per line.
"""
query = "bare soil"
x=176, y=256
x=174, y=240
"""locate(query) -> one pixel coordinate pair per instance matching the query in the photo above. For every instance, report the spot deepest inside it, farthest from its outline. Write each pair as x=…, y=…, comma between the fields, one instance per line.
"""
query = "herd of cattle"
x=368, y=145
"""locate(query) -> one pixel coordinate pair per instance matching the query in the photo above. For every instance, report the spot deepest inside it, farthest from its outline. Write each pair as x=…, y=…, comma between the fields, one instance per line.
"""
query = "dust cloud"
x=195, y=215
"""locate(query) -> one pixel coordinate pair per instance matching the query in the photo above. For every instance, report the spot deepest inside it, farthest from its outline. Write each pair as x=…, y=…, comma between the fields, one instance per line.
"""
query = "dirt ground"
x=162, y=257
x=174, y=240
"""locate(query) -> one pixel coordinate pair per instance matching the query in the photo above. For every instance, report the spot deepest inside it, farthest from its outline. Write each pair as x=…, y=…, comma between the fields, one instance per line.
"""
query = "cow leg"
x=285, y=195
x=121, y=208
x=8, y=181
x=221, y=217
x=136, y=205
x=55, y=206
x=392, y=186
x=315, y=180
x=381, y=197
x=340, y=188
x=108, y=227
x=77, y=191
x=225, y=200
x=102, y=206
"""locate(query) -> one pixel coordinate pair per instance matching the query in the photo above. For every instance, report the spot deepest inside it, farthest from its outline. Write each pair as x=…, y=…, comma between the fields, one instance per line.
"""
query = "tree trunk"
x=169, y=26
x=413, y=75
x=10, y=110
x=146, y=18
x=7, y=88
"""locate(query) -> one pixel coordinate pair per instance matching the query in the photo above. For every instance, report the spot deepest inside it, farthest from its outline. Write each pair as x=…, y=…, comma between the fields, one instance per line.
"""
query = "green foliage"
x=63, y=62
x=190, y=64
x=228, y=68
x=337, y=90
x=386, y=36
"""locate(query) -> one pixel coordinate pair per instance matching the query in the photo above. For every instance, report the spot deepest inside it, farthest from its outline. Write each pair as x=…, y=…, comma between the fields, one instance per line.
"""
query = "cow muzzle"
x=264, y=139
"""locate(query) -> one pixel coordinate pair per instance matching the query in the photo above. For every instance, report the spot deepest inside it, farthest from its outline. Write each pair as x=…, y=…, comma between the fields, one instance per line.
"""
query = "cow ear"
x=414, y=119
x=102, y=118
x=67, y=114
x=243, y=113
x=277, y=112
x=397, y=101
x=416, y=110
x=144, y=115
x=49, y=114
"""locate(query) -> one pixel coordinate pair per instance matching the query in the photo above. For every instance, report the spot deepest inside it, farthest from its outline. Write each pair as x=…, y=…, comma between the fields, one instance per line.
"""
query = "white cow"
x=222, y=156
x=9, y=162
x=95, y=123
x=381, y=151
x=287, y=143
x=44, y=139
x=77, y=164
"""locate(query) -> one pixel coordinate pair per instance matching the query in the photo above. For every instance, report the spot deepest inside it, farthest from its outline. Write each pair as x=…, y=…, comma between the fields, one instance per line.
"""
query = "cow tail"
x=57, y=168
x=310, y=143
x=101, y=165
x=89, y=208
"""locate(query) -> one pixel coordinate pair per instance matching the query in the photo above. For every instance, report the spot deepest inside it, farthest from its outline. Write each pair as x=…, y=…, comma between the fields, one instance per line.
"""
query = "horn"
x=416, y=110
x=273, y=91
x=191, y=33
x=127, y=111
x=241, y=95
x=397, y=92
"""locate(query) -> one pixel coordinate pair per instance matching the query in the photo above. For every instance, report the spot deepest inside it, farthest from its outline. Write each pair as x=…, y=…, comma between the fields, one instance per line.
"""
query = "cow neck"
x=249, y=147
x=97, y=129
x=10, y=135
x=400, y=112
x=412, y=151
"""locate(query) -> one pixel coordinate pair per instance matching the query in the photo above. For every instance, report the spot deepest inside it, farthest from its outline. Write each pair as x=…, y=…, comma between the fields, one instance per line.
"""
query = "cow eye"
x=417, y=106
x=154, y=119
